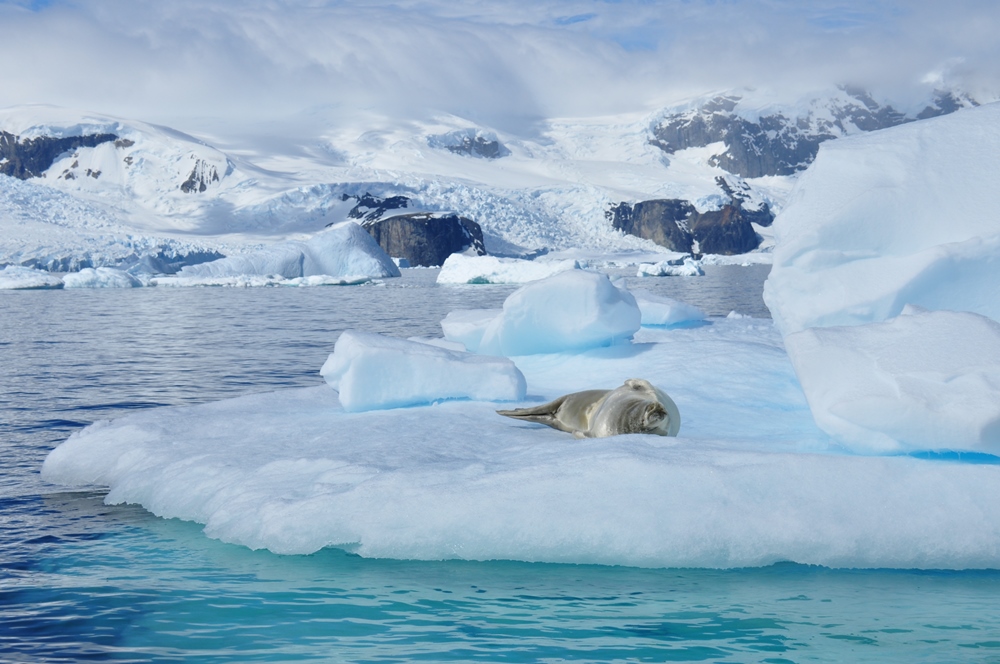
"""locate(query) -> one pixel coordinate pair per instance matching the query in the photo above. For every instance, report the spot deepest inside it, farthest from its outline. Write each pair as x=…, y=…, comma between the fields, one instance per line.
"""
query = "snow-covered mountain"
x=759, y=138
x=81, y=189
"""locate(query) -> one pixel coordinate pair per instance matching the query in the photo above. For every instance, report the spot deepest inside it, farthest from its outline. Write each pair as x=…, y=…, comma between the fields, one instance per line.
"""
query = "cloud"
x=503, y=64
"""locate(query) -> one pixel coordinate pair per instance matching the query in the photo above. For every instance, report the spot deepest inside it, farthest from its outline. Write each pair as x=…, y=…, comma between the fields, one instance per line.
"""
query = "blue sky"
x=502, y=63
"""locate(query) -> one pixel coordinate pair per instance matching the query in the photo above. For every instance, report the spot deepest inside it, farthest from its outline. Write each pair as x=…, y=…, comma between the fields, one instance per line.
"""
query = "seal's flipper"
x=545, y=414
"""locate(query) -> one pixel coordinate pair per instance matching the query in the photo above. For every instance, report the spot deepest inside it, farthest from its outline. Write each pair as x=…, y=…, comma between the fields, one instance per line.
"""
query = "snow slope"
x=157, y=191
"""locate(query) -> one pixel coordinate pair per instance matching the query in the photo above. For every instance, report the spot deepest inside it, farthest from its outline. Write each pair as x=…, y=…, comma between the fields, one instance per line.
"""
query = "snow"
x=751, y=481
x=569, y=311
x=344, y=251
x=101, y=277
x=462, y=269
x=371, y=371
x=879, y=228
x=16, y=277
x=670, y=268
x=665, y=311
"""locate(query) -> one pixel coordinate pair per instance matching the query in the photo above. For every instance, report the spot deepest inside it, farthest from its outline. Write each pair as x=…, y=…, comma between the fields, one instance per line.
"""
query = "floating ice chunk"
x=924, y=380
x=462, y=269
x=466, y=326
x=572, y=310
x=342, y=251
x=16, y=277
x=373, y=371
x=659, y=310
x=905, y=215
x=101, y=277
x=325, y=280
x=689, y=268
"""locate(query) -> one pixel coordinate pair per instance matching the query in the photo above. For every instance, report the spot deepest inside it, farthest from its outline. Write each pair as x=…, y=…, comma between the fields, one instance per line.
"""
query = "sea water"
x=82, y=581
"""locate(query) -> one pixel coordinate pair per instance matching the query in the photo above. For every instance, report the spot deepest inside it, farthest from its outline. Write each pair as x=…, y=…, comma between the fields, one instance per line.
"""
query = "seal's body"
x=635, y=407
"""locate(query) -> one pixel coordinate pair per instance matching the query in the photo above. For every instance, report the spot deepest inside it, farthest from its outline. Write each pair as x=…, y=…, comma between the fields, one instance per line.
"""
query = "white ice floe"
x=343, y=251
x=922, y=380
x=467, y=326
x=570, y=311
x=16, y=277
x=670, y=268
x=462, y=269
x=372, y=371
x=101, y=277
x=660, y=310
x=750, y=482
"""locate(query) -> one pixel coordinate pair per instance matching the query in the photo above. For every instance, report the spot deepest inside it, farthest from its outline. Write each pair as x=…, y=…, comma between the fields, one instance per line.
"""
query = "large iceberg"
x=345, y=251
x=462, y=269
x=570, y=311
x=372, y=371
x=905, y=216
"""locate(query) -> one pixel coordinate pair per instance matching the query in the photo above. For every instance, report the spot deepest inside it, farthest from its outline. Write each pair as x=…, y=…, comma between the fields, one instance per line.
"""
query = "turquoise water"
x=81, y=581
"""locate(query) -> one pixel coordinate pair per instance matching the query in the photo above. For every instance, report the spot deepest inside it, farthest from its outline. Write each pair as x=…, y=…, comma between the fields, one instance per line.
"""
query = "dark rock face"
x=202, y=175
x=426, y=239
x=422, y=238
x=676, y=224
x=776, y=144
x=32, y=157
x=471, y=143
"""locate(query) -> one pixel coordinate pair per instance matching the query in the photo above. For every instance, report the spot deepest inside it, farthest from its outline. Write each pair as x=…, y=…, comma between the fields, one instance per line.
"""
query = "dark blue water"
x=81, y=581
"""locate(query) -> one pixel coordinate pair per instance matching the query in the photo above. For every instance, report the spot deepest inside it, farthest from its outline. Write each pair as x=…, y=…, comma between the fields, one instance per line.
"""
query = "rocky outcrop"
x=30, y=158
x=780, y=143
x=676, y=224
x=202, y=175
x=422, y=238
x=426, y=239
x=471, y=143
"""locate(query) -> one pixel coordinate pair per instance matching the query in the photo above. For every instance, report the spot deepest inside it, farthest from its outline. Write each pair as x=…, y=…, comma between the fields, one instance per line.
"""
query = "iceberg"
x=100, y=277
x=16, y=277
x=665, y=311
x=345, y=251
x=688, y=268
x=462, y=269
x=901, y=216
x=570, y=311
x=884, y=285
x=372, y=371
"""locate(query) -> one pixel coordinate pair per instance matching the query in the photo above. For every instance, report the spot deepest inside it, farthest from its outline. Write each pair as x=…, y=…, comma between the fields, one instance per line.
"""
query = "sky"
x=504, y=65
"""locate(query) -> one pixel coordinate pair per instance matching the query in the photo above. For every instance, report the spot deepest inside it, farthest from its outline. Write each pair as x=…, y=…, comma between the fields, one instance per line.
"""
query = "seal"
x=638, y=406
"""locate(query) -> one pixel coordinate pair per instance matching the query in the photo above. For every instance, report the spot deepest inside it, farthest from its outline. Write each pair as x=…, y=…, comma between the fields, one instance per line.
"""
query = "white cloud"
x=504, y=64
